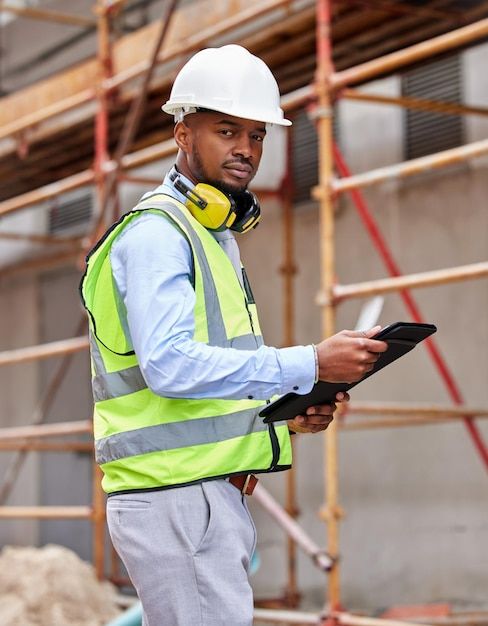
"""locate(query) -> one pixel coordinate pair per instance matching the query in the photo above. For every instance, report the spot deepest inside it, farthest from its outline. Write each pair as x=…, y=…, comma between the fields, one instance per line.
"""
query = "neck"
x=183, y=167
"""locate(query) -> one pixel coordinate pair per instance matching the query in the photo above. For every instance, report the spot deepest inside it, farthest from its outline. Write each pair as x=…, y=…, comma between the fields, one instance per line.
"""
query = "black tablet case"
x=401, y=338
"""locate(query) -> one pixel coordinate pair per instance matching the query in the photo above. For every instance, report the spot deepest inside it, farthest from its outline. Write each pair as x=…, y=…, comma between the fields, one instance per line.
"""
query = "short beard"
x=219, y=184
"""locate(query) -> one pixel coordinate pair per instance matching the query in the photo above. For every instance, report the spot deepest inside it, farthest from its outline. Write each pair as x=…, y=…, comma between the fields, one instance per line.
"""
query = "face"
x=219, y=149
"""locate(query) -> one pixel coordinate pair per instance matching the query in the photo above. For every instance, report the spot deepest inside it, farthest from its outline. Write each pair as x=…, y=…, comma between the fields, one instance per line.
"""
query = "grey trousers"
x=187, y=552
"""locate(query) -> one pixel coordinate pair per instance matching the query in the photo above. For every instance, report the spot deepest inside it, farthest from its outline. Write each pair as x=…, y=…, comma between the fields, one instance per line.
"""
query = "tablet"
x=401, y=337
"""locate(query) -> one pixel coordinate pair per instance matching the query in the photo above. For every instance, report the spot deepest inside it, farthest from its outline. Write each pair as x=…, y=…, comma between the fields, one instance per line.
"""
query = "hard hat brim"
x=173, y=109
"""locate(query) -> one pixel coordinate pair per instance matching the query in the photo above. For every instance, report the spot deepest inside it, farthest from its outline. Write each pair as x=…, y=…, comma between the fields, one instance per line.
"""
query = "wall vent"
x=304, y=157
x=425, y=132
x=304, y=154
x=70, y=214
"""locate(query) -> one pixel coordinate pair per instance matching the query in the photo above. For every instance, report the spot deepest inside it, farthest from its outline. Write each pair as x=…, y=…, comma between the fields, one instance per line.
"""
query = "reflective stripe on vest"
x=107, y=385
x=215, y=324
x=177, y=435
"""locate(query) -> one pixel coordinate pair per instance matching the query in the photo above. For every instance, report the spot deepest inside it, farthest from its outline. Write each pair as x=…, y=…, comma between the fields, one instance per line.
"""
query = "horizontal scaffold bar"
x=417, y=104
x=60, y=429
x=396, y=60
x=47, y=192
x=45, y=446
x=41, y=263
x=69, y=19
x=414, y=166
x=381, y=408
x=46, y=512
x=43, y=351
x=370, y=415
x=397, y=283
x=272, y=616
x=348, y=619
x=394, y=422
x=47, y=112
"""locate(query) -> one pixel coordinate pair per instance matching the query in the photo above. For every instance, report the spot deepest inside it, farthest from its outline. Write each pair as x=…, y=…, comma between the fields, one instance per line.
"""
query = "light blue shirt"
x=152, y=267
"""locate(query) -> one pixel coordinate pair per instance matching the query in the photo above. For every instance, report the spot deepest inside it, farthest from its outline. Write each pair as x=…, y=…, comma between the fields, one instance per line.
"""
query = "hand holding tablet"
x=400, y=338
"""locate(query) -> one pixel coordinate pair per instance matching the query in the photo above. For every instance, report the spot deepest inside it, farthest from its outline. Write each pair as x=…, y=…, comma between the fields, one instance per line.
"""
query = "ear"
x=183, y=136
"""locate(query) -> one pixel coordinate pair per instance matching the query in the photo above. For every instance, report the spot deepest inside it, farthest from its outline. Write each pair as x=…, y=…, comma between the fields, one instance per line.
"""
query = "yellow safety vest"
x=145, y=441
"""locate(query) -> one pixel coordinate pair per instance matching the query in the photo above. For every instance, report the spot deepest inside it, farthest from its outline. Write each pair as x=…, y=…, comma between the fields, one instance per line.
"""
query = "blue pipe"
x=132, y=617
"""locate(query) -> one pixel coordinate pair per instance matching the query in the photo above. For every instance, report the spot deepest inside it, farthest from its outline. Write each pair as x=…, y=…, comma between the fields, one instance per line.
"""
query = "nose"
x=243, y=146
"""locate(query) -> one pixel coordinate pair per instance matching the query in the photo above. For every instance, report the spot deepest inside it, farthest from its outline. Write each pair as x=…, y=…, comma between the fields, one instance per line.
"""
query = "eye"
x=259, y=138
x=226, y=132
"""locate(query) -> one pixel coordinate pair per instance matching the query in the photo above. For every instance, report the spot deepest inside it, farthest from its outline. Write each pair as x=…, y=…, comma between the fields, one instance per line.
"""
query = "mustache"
x=241, y=161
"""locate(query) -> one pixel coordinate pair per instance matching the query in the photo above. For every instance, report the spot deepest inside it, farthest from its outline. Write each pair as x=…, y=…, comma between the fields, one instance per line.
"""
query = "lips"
x=239, y=170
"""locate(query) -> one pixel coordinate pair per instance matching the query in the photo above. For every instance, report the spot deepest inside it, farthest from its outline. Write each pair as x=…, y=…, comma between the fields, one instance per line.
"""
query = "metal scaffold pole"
x=292, y=595
x=102, y=119
x=327, y=272
x=102, y=129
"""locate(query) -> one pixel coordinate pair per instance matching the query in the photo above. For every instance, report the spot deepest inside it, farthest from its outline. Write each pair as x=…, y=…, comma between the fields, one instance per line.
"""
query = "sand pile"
x=52, y=586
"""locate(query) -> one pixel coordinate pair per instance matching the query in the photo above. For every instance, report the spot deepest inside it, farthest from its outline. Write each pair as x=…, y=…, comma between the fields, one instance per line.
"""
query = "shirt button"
x=250, y=397
x=295, y=388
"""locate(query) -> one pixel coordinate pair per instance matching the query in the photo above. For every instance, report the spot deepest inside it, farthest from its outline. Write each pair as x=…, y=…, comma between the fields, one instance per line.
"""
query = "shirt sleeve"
x=152, y=266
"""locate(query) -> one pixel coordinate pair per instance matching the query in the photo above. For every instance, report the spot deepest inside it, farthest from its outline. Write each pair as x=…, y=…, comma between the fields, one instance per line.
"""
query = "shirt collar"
x=167, y=187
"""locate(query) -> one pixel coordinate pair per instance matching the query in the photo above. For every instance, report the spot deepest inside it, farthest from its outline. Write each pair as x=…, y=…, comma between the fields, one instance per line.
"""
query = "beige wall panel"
x=262, y=256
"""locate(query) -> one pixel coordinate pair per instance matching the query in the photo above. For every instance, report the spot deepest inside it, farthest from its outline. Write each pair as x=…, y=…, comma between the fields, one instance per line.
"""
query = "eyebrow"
x=262, y=129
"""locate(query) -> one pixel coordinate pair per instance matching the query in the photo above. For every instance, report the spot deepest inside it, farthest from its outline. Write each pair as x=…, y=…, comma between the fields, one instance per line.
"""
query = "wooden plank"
x=48, y=92
x=35, y=13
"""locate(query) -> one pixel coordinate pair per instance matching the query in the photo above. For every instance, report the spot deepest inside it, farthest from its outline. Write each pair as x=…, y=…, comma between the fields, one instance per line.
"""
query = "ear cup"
x=219, y=211
x=248, y=211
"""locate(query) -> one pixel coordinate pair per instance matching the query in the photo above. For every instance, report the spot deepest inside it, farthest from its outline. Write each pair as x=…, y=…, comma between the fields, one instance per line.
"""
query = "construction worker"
x=180, y=371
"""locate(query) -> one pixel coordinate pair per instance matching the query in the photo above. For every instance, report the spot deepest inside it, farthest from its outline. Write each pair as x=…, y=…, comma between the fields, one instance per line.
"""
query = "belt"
x=245, y=483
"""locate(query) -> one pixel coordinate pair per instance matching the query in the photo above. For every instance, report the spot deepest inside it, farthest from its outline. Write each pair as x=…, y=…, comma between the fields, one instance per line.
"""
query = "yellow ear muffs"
x=211, y=207
x=216, y=210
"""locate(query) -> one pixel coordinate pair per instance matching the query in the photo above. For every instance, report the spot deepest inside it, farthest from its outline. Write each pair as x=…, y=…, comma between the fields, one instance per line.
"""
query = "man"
x=180, y=371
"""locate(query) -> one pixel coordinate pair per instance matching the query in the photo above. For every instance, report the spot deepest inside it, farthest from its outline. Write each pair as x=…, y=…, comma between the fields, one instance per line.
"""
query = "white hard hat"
x=230, y=80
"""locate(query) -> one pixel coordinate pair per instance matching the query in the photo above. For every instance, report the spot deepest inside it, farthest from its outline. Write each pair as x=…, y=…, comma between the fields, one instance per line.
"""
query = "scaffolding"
x=108, y=171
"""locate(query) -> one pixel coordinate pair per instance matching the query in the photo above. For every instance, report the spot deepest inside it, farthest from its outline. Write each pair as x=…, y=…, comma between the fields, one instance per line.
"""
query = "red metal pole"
x=102, y=115
x=412, y=307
